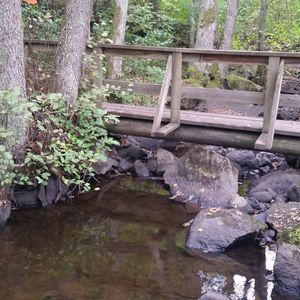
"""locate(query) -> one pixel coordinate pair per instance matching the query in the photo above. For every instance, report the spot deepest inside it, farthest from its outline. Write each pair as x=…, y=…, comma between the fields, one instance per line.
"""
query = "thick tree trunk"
x=118, y=36
x=12, y=72
x=71, y=48
x=229, y=28
x=207, y=27
x=12, y=75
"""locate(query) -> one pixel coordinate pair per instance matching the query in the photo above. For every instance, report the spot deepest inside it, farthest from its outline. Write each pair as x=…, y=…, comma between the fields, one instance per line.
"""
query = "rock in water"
x=216, y=229
x=213, y=296
x=165, y=160
x=287, y=268
x=204, y=177
x=140, y=169
x=5, y=209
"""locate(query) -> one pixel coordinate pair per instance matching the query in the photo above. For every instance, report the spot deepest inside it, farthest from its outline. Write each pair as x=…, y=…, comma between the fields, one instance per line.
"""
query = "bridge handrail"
x=172, y=84
x=189, y=54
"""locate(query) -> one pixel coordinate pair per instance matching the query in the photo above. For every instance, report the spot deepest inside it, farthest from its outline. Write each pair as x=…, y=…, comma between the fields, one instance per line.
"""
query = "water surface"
x=125, y=241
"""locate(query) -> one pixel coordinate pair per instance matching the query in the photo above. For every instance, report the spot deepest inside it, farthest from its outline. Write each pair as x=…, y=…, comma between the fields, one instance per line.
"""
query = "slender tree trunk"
x=261, y=41
x=12, y=74
x=207, y=27
x=192, y=23
x=71, y=48
x=261, y=45
x=229, y=28
x=118, y=36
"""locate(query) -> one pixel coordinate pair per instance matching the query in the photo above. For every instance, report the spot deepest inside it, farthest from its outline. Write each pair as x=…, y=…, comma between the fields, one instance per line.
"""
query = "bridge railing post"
x=99, y=79
x=272, y=97
x=176, y=89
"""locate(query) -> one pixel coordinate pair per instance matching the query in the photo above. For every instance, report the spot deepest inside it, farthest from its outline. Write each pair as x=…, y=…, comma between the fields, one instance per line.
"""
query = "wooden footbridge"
x=265, y=133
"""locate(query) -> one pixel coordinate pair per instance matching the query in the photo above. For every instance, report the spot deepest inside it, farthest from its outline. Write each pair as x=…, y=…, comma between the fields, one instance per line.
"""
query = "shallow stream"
x=124, y=242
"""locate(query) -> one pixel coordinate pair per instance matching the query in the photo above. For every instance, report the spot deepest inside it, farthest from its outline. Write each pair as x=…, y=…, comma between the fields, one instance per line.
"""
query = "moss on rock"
x=294, y=236
x=236, y=82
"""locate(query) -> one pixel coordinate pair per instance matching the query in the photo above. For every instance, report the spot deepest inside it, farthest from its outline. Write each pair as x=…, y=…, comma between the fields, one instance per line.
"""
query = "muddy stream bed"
x=122, y=242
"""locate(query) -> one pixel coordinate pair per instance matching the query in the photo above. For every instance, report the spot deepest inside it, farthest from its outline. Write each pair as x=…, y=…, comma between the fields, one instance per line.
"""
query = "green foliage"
x=41, y=22
x=66, y=142
x=148, y=27
x=294, y=236
x=63, y=141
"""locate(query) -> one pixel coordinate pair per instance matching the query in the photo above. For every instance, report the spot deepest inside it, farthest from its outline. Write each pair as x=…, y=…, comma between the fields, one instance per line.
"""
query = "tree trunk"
x=261, y=73
x=192, y=23
x=261, y=45
x=12, y=75
x=118, y=36
x=12, y=70
x=229, y=28
x=207, y=27
x=71, y=48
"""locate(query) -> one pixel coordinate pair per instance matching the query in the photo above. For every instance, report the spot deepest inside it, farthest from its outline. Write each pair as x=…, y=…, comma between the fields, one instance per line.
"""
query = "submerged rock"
x=213, y=296
x=216, y=229
x=201, y=176
x=287, y=268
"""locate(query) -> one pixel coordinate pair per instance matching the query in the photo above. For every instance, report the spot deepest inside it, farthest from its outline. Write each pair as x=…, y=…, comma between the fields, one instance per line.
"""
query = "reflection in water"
x=117, y=244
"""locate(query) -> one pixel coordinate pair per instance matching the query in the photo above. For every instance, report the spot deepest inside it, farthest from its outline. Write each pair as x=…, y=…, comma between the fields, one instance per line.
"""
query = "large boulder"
x=216, y=229
x=277, y=183
x=284, y=216
x=203, y=177
x=287, y=268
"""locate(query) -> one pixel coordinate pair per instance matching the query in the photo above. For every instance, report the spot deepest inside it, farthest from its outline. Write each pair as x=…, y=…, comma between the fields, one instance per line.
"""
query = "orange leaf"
x=32, y=2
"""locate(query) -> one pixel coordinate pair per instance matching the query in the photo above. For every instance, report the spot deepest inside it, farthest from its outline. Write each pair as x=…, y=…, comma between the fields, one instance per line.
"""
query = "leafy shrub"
x=63, y=142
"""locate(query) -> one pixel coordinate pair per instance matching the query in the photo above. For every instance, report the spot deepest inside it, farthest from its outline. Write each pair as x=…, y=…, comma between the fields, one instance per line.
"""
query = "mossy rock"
x=209, y=79
x=293, y=236
x=236, y=82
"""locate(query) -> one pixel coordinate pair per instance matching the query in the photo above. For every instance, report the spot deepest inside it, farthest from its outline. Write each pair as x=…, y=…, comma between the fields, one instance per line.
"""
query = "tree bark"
x=261, y=45
x=12, y=69
x=207, y=27
x=192, y=23
x=261, y=41
x=12, y=72
x=71, y=48
x=12, y=75
x=118, y=36
x=229, y=28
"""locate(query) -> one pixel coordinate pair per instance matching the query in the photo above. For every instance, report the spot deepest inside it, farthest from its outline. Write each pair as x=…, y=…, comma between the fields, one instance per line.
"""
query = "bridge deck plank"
x=225, y=121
